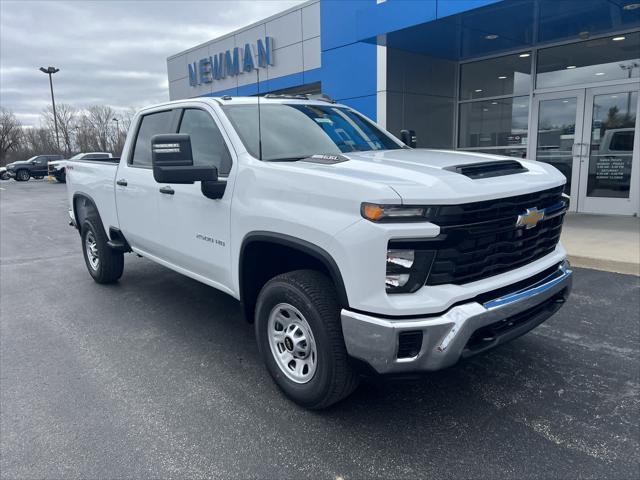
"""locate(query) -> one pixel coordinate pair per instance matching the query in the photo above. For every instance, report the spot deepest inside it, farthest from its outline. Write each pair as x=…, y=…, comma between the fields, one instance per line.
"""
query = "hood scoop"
x=325, y=159
x=488, y=169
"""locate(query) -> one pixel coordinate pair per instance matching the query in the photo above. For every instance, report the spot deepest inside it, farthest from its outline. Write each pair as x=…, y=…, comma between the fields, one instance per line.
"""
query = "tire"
x=61, y=177
x=23, y=175
x=313, y=297
x=104, y=264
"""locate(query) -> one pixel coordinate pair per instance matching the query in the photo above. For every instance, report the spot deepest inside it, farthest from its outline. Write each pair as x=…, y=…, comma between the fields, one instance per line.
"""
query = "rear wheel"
x=300, y=339
x=104, y=264
x=23, y=175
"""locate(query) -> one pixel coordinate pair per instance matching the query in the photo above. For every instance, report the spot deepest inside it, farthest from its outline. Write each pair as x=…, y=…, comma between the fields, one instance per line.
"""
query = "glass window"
x=494, y=123
x=207, y=144
x=557, y=134
x=612, y=58
x=611, y=146
x=325, y=129
x=150, y=125
x=509, y=75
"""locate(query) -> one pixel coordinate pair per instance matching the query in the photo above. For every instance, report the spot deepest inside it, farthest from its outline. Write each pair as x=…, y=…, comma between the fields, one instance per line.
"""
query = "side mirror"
x=409, y=138
x=172, y=161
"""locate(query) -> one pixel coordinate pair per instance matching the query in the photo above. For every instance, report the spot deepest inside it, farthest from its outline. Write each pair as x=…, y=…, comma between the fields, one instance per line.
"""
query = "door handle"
x=167, y=190
x=122, y=182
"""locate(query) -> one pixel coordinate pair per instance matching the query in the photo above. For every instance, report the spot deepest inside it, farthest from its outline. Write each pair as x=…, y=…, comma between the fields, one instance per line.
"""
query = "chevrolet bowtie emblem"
x=530, y=218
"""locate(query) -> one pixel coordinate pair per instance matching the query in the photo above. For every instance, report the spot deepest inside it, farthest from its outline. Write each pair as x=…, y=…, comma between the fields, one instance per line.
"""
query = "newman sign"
x=232, y=62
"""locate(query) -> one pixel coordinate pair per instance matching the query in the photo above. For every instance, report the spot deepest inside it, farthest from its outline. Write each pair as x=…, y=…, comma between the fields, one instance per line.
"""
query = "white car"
x=348, y=249
x=57, y=167
x=3, y=174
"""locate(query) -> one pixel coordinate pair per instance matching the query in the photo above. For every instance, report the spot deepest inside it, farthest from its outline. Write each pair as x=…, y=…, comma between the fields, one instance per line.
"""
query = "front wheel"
x=104, y=264
x=23, y=175
x=61, y=176
x=299, y=335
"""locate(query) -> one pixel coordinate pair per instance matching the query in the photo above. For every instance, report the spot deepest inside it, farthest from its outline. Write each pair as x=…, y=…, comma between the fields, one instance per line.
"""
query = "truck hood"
x=421, y=175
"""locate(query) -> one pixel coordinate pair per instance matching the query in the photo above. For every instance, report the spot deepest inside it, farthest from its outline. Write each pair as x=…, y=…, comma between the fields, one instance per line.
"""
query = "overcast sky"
x=108, y=52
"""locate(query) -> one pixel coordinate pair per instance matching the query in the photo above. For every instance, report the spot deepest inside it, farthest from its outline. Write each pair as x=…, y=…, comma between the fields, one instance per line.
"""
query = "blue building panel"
x=453, y=7
x=349, y=71
x=366, y=105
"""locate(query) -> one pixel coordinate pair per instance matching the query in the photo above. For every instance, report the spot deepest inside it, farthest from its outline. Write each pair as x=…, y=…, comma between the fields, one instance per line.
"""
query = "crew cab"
x=57, y=167
x=350, y=251
x=35, y=167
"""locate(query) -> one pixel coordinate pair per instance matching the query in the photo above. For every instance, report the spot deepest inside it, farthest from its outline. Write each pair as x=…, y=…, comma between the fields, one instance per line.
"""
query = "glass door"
x=557, y=137
x=609, y=173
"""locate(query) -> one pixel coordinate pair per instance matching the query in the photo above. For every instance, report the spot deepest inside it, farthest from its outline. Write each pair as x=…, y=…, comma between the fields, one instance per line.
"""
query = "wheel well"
x=261, y=259
x=83, y=207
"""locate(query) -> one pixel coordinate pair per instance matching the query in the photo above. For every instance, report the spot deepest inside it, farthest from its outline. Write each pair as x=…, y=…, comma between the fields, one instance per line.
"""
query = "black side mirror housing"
x=409, y=138
x=172, y=160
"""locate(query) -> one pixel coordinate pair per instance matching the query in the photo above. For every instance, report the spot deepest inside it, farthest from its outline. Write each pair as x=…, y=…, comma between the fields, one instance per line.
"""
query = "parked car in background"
x=36, y=167
x=3, y=173
x=57, y=168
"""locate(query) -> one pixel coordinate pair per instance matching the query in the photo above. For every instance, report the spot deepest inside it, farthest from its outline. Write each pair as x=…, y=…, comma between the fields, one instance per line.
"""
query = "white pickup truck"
x=351, y=251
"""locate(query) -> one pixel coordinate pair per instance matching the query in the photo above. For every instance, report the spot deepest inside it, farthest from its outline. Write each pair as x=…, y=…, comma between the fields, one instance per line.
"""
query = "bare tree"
x=10, y=133
x=67, y=118
x=100, y=118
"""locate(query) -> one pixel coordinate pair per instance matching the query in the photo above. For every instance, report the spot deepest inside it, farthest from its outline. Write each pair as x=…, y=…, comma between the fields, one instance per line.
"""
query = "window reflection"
x=508, y=75
x=556, y=135
x=612, y=58
x=494, y=123
x=612, y=136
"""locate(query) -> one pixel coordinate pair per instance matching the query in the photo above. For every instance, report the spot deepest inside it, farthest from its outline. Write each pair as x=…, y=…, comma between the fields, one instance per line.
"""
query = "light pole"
x=117, y=145
x=50, y=71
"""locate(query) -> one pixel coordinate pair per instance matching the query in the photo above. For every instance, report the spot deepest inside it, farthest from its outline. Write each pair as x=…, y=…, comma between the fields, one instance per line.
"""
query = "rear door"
x=136, y=190
x=39, y=166
x=195, y=229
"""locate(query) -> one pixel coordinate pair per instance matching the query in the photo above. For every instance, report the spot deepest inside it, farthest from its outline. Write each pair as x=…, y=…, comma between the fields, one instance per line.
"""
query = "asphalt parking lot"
x=159, y=376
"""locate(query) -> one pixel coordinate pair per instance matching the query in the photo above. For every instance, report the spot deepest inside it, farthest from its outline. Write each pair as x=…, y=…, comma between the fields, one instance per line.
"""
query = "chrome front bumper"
x=462, y=331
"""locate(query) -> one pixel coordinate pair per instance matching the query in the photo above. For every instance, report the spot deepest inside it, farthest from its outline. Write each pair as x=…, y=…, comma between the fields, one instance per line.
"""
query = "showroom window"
x=493, y=111
x=603, y=59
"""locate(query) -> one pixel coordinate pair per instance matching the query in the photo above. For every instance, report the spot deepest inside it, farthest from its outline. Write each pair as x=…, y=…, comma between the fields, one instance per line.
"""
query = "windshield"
x=32, y=158
x=291, y=132
x=75, y=157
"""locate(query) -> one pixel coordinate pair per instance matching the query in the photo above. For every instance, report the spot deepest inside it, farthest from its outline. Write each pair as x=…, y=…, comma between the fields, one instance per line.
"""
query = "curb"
x=615, y=266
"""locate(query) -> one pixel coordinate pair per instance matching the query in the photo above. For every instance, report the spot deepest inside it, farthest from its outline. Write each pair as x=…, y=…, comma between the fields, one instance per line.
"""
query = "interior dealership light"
x=396, y=213
x=494, y=103
x=631, y=6
x=502, y=77
x=525, y=55
x=599, y=74
x=478, y=90
x=491, y=36
x=618, y=39
x=570, y=67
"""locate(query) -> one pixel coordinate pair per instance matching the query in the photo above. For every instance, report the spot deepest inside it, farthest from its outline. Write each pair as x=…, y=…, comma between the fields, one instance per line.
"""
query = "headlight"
x=407, y=268
x=396, y=213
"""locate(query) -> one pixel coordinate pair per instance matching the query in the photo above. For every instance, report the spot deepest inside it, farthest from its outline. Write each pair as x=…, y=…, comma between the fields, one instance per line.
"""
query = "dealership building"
x=550, y=80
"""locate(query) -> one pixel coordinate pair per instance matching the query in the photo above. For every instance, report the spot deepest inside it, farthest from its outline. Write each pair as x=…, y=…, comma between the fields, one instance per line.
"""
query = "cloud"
x=108, y=52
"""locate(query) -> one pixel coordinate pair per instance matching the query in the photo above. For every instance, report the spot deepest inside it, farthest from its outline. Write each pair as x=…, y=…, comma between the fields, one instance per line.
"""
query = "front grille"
x=478, y=240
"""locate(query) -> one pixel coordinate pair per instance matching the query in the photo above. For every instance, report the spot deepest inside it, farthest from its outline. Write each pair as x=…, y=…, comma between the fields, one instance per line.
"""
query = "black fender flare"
x=84, y=196
x=298, y=244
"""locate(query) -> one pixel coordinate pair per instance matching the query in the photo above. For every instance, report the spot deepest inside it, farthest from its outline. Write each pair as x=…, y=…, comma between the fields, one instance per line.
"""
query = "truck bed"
x=96, y=179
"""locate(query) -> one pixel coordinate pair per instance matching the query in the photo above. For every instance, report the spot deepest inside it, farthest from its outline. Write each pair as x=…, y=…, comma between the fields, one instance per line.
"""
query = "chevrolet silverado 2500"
x=349, y=251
